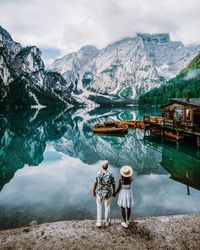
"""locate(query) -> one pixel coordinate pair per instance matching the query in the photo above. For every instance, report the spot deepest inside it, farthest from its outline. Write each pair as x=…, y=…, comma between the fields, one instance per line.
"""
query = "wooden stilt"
x=188, y=190
x=177, y=136
x=198, y=153
x=162, y=134
x=198, y=141
x=177, y=144
x=145, y=133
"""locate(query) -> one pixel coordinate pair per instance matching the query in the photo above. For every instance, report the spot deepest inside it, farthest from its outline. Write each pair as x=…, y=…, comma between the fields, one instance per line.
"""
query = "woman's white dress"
x=125, y=198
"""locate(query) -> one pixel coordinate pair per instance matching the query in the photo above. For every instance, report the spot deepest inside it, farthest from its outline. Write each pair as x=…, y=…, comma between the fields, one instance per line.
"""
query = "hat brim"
x=126, y=175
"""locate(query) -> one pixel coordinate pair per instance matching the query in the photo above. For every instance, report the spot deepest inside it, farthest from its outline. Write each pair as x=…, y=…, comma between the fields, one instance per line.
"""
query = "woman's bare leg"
x=123, y=212
x=128, y=213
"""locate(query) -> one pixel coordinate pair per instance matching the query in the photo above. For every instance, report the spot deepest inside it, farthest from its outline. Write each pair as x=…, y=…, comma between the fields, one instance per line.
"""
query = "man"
x=103, y=190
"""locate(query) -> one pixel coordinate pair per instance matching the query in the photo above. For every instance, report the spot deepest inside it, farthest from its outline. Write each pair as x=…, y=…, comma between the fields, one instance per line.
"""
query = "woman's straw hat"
x=126, y=171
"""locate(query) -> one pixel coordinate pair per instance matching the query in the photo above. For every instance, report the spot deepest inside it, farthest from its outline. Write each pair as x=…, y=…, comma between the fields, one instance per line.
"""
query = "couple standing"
x=104, y=189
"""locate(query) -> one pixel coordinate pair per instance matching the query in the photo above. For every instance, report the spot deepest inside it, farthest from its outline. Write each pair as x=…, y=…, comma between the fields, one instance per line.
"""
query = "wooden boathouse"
x=180, y=119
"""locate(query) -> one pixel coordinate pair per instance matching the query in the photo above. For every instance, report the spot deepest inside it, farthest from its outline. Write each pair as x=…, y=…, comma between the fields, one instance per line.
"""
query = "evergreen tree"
x=178, y=87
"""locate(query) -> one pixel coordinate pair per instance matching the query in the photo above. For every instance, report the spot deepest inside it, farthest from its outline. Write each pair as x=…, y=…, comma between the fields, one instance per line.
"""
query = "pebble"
x=33, y=223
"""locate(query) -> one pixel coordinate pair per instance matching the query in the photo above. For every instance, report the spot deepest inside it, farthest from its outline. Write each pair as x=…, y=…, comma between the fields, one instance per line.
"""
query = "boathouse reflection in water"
x=182, y=167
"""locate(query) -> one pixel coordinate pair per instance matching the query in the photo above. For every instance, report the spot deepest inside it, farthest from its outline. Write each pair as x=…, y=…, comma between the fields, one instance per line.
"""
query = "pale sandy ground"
x=172, y=232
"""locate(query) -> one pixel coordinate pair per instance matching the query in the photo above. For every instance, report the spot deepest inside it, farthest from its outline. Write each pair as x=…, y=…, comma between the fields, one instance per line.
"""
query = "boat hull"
x=173, y=135
x=110, y=127
x=110, y=130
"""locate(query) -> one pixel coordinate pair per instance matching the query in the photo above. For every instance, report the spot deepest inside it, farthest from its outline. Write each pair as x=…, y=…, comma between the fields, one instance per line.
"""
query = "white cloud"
x=68, y=25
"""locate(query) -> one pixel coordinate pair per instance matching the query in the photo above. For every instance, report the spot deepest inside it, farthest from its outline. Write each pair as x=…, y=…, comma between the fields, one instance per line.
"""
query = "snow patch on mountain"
x=124, y=70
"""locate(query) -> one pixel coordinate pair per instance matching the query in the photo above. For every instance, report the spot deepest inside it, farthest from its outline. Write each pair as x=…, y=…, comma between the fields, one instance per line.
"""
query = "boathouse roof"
x=194, y=102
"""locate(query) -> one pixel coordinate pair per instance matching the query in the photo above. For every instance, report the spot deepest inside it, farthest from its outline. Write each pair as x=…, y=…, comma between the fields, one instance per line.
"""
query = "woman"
x=125, y=198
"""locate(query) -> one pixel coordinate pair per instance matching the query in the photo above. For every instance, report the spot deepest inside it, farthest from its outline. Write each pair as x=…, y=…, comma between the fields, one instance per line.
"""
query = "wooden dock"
x=180, y=119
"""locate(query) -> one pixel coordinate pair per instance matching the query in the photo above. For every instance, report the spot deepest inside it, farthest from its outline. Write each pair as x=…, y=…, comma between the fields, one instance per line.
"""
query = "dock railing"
x=172, y=124
x=153, y=119
x=168, y=122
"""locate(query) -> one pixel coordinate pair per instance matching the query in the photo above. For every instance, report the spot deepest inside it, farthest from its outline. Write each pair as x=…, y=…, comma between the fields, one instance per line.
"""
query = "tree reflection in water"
x=62, y=145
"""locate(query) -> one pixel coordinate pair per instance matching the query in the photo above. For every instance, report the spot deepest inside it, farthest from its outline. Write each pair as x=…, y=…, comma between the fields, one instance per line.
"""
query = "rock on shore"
x=172, y=232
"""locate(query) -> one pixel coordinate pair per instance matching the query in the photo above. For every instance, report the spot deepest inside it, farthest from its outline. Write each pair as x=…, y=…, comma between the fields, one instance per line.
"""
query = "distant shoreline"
x=165, y=232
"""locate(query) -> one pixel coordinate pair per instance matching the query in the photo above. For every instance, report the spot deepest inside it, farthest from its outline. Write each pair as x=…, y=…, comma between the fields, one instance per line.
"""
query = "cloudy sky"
x=62, y=26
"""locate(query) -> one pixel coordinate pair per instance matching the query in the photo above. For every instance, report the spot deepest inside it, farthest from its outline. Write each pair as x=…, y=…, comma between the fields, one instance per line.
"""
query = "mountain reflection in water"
x=48, y=161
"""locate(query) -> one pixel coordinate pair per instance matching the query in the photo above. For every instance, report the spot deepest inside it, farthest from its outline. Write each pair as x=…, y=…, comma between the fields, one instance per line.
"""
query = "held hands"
x=114, y=194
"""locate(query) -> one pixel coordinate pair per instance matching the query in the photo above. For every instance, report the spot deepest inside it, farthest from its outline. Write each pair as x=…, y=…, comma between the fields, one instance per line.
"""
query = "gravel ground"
x=171, y=232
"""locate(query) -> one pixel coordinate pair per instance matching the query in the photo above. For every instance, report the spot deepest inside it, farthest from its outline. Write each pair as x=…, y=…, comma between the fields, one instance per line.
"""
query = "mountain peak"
x=5, y=33
x=158, y=37
x=88, y=49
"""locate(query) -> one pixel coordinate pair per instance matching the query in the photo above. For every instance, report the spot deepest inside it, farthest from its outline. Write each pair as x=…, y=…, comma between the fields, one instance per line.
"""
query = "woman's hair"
x=124, y=179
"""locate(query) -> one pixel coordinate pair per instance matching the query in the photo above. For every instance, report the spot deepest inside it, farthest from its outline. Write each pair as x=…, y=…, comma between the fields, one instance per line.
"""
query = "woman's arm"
x=119, y=187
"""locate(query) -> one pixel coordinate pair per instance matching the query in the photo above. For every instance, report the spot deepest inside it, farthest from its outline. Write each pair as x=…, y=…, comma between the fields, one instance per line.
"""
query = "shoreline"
x=164, y=232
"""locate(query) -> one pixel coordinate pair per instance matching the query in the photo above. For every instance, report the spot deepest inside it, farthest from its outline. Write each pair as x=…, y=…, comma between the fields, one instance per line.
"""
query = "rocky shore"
x=171, y=232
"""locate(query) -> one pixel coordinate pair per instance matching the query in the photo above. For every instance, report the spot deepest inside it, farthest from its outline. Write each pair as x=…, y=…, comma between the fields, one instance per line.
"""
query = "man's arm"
x=113, y=187
x=119, y=187
x=94, y=189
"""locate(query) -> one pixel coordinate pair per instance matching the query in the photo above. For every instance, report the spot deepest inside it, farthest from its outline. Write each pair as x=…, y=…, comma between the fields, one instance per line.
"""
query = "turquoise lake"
x=49, y=160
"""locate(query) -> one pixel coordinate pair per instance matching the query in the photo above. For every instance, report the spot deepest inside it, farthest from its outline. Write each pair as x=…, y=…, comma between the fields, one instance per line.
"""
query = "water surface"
x=49, y=159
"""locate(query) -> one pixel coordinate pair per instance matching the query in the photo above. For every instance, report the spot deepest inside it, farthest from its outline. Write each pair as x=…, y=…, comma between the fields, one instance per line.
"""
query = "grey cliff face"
x=23, y=79
x=125, y=69
x=29, y=60
x=8, y=51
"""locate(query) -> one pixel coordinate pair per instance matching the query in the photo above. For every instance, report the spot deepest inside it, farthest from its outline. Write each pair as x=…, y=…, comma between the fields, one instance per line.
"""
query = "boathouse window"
x=168, y=114
x=171, y=114
x=187, y=115
x=177, y=114
x=197, y=119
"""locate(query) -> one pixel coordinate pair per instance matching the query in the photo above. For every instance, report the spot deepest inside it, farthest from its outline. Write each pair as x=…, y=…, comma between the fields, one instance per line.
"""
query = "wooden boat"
x=129, y=123
x=167, y=134
x=133, y=124
x=140, y=124
x=109, y=124
x=155, y=131
x=173, y=135
x=110, y=127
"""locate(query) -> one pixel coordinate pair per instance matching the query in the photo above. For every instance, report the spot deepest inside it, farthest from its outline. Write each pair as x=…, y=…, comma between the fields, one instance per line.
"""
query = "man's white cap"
x=104, y=163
